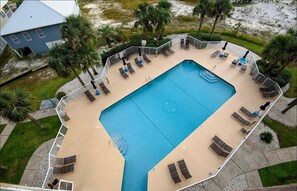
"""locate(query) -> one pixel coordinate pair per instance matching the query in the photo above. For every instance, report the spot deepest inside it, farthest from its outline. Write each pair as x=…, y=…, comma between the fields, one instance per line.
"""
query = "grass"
x=292, y=92
x=21, y=144
x=287, y=136
x=2, y=127
x=39, y=83
x=186, y=19
x=272, y=176
x=117, y=14
x=131, y=5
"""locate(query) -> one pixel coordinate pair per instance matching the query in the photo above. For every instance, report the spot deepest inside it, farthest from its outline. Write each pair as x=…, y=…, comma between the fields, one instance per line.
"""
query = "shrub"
x=267, y=137
x=206, y=36
x=60, y=95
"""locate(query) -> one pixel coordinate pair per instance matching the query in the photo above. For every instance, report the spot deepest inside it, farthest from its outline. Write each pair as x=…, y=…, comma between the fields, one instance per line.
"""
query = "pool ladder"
x=120, y=142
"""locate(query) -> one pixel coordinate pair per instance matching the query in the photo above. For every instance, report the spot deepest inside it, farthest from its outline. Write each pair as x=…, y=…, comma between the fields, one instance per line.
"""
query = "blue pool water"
x=150, y=122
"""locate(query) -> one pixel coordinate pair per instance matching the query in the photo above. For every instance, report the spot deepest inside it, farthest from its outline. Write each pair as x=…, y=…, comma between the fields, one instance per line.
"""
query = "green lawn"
x=272, y=176
x=38, y=83
x=287, y=136
x=249, y=45
x=292, y=92
x=21, y=144
x=2, y=127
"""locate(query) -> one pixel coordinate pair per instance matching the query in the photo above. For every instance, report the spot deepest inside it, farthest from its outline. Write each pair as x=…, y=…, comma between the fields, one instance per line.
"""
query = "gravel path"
x=237, y=184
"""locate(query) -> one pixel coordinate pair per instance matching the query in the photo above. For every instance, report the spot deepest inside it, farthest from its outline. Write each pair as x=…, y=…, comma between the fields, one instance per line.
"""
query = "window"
x=27, y=36
x=2, y=14
x=40, y=33
x=14, y=39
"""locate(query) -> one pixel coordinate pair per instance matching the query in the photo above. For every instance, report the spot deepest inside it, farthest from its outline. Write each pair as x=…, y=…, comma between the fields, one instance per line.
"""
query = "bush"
x=206, y=36
x=60, y=95
x=267, y=137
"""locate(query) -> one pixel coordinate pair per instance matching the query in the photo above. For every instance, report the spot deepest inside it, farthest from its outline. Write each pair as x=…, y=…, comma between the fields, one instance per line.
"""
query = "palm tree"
x=202, y=8
x=16, y=106
x=61, y=59
x=89, y=56
x=282, y=50
x=143, y=13
x=221, y=9
x=161, y=16
x=110, y=34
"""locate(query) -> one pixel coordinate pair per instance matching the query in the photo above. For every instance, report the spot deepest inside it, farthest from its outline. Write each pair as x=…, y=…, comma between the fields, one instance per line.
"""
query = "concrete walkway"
x=31, y=171
x=10, y=126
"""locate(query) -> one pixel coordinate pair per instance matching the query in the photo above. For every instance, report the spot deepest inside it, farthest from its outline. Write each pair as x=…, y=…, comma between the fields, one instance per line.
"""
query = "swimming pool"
x=150, y=122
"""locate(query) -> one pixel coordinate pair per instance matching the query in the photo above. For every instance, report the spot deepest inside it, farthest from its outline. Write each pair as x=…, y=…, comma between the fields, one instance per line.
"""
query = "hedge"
x=205, y=36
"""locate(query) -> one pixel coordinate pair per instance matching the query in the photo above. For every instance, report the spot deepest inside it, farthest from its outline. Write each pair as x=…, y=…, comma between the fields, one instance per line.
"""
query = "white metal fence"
x=240, y=51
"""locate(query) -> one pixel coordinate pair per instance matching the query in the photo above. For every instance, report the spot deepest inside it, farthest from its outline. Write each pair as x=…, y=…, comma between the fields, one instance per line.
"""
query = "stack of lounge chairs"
x=220, y=147
x=123, y=73
x=183, y=168
x=187, y=45
x=164, y=52
x=53, y=184
x=182, y=43
x=241, y=119
x=90, y=96
x=104, y=88
x=66, y=165
x=269, y=92
x=216, y=53
x=174, y=173
x=137, y=62
x=145, y=58
x=131, y=70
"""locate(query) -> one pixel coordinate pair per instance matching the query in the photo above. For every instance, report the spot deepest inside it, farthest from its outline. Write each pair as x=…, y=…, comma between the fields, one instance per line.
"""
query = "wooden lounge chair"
x=90, y=96
x=63, y=169
x=123, y=73
x=270, y=94
x=66, y=160
x=173, y=173
x=182, y=43
x=184, y=169
x=216, y=53
x=247, y=112
x=146, y=58
x=222, y=144
x=240, y=119
x=53, y=184
x=164, y=52
x=137, y=62
x=131, y=70
x=170, y=51
x=245, y=132
x=104, y=88
x=218, y=150
x=268, y=89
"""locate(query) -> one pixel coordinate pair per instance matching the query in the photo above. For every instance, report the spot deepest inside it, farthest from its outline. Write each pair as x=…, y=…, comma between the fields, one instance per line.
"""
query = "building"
x=35, y=25
x=5, y=13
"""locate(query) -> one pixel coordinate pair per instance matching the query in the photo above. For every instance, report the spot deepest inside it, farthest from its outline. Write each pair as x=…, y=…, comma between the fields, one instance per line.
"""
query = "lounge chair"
x=182, y=43
x=184, y=169
x=216, y=53
x=268, y=89
x=170, y=51
x=270, y=94
x=131, y=70
x=234, y=62
x=187, y=45
x=243, y=67
x=90, y=96
x=53, y=184
x=240, y=119
x=218, y=150
x=245, y=132
x=146, y=58
x=66, y=160
x=104, y=88
x=164, y=52
x=173, y=173
x=222, y=144
x=63, y=169
x=247, y=112
x=123, y=73
x=137, y=62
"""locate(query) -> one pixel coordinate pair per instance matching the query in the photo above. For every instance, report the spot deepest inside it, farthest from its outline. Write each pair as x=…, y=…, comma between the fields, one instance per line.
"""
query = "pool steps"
x=208, y=76
x=120, y=142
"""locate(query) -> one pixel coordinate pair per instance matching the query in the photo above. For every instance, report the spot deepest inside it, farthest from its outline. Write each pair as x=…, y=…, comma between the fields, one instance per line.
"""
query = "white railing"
x=151, y=50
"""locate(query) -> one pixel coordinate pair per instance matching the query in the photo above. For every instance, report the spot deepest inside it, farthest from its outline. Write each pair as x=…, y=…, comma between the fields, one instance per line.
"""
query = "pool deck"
x=100, y=165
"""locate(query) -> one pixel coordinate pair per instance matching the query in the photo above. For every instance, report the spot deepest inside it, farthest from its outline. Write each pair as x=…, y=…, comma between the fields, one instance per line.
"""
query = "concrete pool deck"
x=100, y=165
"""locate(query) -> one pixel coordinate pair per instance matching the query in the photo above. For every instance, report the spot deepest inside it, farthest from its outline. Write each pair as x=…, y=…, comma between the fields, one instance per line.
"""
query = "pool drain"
x=170, y=107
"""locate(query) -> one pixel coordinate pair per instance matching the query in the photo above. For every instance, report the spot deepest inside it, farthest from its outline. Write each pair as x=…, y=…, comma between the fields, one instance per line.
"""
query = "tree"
x=221, y=9
x=161, y=17
x=60, y=58
x=143, y=13
x=110, y=34
x=203, y=8
x=16, y=106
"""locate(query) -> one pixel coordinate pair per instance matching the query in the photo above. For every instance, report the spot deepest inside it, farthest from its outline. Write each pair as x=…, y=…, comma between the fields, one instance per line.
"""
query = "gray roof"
x=33, y=14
